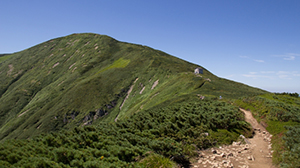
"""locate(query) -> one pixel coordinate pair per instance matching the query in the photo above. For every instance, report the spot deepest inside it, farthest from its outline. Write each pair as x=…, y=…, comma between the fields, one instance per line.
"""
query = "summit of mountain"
x=81, y=79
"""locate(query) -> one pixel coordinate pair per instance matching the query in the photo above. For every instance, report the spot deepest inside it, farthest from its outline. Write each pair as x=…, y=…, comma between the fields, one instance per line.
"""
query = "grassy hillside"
x=82, y=79
x=4, y=57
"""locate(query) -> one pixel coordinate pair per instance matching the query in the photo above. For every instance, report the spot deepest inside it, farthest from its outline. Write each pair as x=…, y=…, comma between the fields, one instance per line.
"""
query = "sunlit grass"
x=120, y=63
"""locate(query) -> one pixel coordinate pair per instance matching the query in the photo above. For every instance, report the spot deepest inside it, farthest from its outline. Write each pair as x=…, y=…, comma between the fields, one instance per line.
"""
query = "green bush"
x=154, y=161
x=173, y=132
x=292, y=142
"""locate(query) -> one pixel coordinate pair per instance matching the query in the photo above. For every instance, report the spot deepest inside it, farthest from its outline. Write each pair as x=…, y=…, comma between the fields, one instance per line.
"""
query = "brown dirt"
x=255, y=153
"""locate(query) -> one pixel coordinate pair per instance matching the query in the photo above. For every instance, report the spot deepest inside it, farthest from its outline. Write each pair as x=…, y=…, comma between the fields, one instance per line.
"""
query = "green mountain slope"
x=82, y=79
x=4, y=57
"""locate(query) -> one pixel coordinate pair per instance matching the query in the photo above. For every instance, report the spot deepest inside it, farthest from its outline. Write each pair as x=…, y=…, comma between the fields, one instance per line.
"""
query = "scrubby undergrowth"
x=165, y=135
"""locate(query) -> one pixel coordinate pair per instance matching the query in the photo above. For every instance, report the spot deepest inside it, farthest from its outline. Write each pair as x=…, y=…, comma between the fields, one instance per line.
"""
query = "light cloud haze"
x=288, y=56
x=261, y=61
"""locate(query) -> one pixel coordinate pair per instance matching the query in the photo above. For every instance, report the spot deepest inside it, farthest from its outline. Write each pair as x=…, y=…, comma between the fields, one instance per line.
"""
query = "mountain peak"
x=80, y=79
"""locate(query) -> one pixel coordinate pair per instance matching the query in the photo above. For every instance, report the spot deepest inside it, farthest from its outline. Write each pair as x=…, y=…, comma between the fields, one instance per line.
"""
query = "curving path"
x=256, y=153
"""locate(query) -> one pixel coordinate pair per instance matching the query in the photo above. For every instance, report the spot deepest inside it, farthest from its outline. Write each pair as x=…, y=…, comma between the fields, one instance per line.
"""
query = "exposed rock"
x=245, y=139
x=99, y=113
x=39, y=126
x=74, y=69
x=142, y=90
x=72, y=65
x=89, y=116
x=55, y=65
x=128, y=93
x=154, y=84
x=23, y=113
x=229, y=154
x=87, y=123
x=246, y=147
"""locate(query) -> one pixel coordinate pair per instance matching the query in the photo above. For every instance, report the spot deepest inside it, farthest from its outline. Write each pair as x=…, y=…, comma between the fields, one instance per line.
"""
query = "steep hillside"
x=81, y=79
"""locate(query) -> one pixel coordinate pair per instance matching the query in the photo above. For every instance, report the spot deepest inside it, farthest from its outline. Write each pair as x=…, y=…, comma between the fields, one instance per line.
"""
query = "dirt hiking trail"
x=254, y=153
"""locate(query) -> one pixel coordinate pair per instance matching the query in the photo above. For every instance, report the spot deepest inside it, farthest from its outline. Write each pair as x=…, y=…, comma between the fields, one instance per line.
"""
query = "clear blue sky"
x=256, y=42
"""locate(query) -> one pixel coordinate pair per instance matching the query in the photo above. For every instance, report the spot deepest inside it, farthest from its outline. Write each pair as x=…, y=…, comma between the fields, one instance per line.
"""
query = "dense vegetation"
x=280, y=113
x=4, y=57
x=290, y=94
x=144, y=107
x=64, y=84
x=151, y=138
x=82, y=79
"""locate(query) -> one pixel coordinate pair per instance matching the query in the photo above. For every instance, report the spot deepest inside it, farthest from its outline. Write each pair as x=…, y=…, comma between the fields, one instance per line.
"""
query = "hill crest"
x=84, y=78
